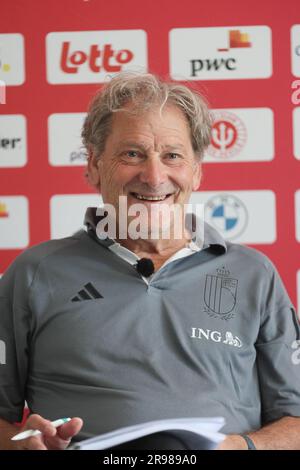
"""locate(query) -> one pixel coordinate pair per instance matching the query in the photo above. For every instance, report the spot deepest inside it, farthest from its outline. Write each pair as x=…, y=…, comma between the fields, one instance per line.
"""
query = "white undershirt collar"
x=131, y=258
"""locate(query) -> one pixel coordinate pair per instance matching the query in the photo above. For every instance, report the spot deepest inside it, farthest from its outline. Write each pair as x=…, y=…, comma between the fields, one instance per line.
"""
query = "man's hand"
x=283, y=434
x=51, y=438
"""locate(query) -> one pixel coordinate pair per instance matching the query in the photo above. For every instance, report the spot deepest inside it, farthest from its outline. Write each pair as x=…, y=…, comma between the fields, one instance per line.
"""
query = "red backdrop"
x=37, y=99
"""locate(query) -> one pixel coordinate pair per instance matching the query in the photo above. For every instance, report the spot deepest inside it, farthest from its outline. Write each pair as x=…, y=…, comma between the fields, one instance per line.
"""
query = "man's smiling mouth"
x=151, y=198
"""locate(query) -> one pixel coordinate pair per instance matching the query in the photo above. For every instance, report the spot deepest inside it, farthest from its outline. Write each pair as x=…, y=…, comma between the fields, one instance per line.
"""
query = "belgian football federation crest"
x=220, y=294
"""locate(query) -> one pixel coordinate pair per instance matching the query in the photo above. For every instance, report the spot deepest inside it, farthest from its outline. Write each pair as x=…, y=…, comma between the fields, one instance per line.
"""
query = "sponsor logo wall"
x=49, y=71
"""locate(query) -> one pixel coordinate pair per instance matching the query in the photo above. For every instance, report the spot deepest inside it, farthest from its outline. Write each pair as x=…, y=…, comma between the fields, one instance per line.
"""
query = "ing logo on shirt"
x=296, y=354
x=220, y=294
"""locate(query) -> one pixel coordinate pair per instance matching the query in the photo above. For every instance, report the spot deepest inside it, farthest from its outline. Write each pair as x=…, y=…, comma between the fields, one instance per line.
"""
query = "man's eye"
x=173, y=156
x=132, y=154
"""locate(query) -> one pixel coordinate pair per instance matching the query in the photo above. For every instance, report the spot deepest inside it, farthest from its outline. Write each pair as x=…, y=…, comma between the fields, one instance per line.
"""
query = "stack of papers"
x=195, y=433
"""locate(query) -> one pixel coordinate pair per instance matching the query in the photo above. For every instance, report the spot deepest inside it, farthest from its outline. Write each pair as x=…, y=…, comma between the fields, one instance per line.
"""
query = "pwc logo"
x=90, y=56
x=220, y=53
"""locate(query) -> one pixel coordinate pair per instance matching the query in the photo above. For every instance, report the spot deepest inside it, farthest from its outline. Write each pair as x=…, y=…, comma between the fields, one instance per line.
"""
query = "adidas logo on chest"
x=88, y=292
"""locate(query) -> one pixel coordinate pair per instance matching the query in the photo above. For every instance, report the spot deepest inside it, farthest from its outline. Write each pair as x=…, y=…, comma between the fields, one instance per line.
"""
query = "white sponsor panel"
x=219, y=53
x=240, y=216
x=241, y=135
x=295, y=49
x=14, y=224
x=13, y=141
x=297, y=214
x=94, y=56
x=67, y=212
x=12, y=68
x=296, y=132
x=64, y=141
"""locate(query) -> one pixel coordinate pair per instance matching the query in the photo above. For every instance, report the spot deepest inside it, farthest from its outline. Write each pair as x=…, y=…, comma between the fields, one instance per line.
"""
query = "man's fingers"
x=51, y=437
x=70, y=429
x=34, y=443
x=37, y=422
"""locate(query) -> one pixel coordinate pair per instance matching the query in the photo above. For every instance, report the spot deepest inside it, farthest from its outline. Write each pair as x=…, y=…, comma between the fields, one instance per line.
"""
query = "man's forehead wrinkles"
x=151, y=143
x=136, y=143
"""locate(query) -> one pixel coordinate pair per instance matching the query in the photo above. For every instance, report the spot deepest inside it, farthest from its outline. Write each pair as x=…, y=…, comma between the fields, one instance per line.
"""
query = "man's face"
x=147, y=156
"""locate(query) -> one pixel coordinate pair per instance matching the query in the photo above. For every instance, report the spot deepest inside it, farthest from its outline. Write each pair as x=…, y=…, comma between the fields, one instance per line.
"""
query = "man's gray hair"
x=144, y=91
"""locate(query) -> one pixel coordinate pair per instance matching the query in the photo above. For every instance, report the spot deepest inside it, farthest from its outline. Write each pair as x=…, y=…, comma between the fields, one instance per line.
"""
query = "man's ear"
x=197, y=175
x=93, y=171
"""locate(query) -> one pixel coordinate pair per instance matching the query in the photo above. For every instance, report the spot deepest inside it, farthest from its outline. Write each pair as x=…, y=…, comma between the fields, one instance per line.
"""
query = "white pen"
x=32, y=432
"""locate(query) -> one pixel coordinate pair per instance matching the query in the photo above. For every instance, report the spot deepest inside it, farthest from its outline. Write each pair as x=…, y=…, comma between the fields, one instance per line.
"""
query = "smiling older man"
x=208, y=330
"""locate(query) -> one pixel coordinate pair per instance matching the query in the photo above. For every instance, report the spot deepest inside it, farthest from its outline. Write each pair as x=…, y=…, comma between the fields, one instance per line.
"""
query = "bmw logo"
x=227, y=214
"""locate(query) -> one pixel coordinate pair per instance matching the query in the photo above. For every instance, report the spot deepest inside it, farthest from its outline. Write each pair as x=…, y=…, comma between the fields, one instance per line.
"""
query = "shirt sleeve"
x=279, y=372
x=14, y=337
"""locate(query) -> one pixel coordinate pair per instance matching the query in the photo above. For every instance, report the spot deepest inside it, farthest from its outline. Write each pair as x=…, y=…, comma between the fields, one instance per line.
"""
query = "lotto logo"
x=72, y=60
x=89, y=56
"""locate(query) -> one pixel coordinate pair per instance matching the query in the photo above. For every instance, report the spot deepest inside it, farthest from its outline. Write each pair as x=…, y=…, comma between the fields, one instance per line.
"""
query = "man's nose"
x=153, y=172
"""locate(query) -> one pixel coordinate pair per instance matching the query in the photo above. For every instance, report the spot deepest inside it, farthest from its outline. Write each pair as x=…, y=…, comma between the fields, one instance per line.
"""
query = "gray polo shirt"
x=211, y=334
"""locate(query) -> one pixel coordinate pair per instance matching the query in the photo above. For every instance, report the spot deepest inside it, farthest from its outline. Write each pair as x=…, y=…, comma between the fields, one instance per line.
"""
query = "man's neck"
x=158, y=248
